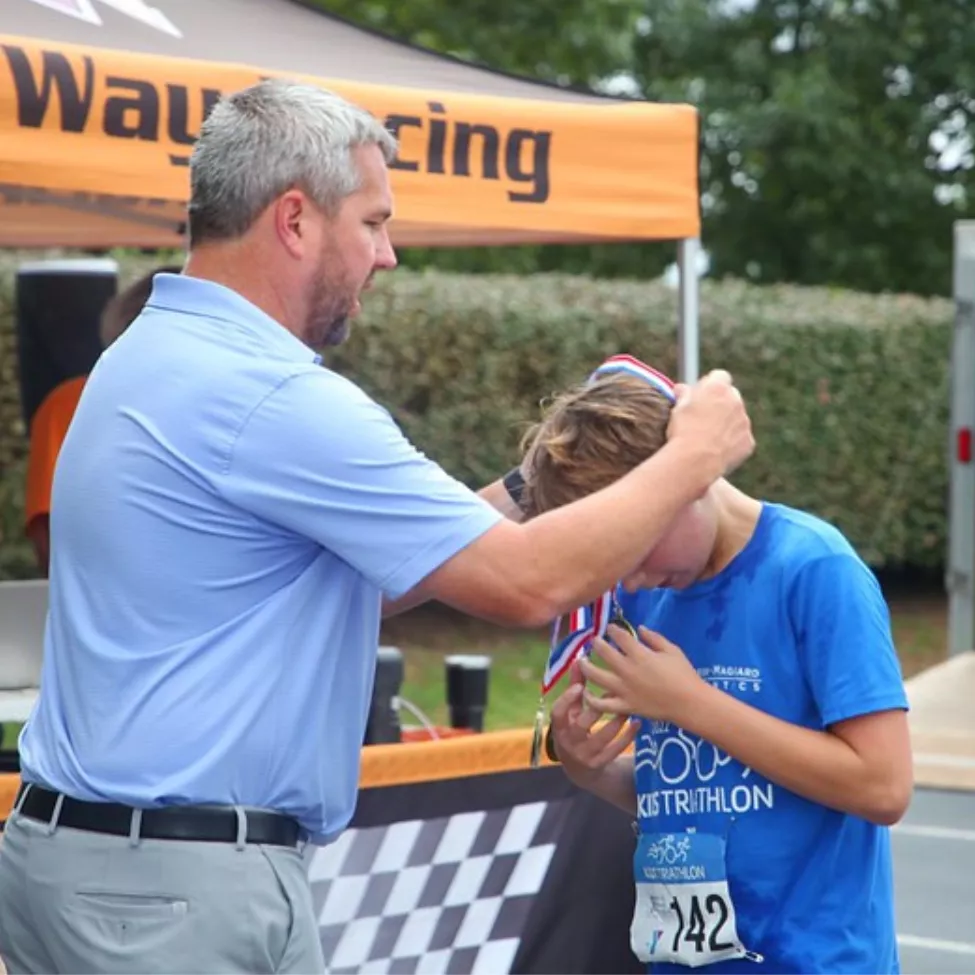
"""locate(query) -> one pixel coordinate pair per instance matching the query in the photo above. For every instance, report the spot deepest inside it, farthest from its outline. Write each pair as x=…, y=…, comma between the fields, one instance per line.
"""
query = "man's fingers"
x=718, y=376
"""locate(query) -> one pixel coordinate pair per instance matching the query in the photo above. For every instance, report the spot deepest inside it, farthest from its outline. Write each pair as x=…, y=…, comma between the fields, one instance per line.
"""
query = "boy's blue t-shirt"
x=796, y=626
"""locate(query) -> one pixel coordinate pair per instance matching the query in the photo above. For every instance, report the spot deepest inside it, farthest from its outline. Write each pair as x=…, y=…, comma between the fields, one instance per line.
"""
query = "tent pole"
x=960, y=574
x=688, y=331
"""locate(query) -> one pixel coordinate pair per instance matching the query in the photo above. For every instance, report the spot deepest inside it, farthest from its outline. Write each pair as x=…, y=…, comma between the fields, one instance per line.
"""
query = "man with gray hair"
x=228, y=519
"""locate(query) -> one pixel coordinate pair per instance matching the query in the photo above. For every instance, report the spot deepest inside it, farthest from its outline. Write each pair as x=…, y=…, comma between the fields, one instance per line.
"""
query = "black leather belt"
x=202, y=824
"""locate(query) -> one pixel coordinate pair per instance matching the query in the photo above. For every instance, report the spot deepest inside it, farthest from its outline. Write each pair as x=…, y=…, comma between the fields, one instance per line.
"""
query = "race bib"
x=684, y=913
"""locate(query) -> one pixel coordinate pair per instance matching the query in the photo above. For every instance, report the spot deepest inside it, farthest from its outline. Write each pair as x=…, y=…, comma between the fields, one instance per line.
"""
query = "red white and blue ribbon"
x=589, y=622
x=585, y=624
x=634, y=367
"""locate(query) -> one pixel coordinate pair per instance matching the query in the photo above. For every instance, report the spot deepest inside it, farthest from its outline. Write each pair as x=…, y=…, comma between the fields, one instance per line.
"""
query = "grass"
x=920, y=625
x=513, y=691
x=428, y=635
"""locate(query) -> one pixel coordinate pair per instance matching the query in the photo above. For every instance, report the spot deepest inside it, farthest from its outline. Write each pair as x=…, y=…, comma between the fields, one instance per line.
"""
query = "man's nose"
x=385, y=255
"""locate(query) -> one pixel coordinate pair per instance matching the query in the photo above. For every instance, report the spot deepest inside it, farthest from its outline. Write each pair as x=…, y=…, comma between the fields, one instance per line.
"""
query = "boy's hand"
x=583, y=752
x=649, y=677
x=711, y=416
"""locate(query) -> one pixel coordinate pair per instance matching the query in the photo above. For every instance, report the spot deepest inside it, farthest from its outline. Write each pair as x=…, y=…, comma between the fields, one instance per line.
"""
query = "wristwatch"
x=514, y=484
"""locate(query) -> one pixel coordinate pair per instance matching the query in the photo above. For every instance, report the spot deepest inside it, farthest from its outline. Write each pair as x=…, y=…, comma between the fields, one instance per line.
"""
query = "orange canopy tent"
x=100, y=102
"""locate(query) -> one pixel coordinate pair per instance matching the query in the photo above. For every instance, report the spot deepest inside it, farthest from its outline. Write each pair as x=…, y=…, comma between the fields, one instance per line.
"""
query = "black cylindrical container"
x=58, y=308
x=468, y=676
x=383, y=724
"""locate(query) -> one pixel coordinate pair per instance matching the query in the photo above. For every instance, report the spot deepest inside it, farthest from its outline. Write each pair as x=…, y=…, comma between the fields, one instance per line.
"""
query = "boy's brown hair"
x=590, y=437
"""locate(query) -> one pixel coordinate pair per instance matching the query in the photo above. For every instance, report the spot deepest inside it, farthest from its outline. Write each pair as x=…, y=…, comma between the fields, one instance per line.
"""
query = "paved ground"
x=942, y=722
x=934, y=864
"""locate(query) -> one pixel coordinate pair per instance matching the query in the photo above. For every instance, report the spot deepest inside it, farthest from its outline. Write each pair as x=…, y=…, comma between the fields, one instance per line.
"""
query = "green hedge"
x=848, y=392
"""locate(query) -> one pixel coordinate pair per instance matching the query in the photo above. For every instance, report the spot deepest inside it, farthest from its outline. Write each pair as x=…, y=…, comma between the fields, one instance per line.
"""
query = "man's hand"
x=583, y=752
x=711, y=415
x=650, y=677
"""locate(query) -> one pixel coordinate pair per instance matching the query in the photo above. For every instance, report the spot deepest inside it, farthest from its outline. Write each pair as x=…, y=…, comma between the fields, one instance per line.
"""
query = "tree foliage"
x=569, y=42
x=836, y=134
x=577, y=43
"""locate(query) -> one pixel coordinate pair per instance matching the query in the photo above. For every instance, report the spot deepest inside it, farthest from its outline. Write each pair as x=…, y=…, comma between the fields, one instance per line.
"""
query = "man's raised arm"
x=528, y=574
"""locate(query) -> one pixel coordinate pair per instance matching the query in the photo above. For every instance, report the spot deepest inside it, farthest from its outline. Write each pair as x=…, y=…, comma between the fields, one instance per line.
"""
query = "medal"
x=586, y=624
x=538, y=735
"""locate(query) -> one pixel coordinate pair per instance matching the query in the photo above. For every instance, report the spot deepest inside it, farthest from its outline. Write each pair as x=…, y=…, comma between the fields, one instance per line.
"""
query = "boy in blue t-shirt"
x=772, y=749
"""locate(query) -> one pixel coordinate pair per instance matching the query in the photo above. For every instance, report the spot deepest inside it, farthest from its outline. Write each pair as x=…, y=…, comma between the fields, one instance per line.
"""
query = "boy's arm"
x=499, y=496
x=614, y=783
x=858, y=762
x=860, y=766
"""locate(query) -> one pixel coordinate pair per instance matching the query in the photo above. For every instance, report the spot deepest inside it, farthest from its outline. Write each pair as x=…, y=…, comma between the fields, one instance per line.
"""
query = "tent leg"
x=688, y=331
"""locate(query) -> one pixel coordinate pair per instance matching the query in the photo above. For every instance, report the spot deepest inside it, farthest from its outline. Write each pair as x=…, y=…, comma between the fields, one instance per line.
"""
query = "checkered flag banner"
x=508, y=873
x=438, y=877
x=449, y=894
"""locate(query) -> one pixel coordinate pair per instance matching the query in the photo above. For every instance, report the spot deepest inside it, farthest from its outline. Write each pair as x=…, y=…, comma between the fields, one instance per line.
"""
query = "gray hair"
x=271, y=137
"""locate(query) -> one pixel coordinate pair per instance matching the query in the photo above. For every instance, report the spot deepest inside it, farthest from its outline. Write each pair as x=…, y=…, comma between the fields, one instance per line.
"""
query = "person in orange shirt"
x=52, y=418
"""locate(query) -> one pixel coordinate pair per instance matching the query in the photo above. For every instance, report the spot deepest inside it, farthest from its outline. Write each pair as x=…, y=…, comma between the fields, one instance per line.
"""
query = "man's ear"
x=290, y=216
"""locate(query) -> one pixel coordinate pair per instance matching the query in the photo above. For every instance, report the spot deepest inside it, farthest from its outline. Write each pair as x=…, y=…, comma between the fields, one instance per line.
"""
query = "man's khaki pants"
x=76, y=902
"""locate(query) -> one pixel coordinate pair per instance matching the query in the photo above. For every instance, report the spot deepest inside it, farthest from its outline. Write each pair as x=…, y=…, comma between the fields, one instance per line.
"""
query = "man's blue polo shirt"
x=226, y=516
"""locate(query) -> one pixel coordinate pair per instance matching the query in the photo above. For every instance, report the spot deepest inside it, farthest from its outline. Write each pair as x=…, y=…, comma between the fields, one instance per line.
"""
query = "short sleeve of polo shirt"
x=846, y=647
x=321, y=459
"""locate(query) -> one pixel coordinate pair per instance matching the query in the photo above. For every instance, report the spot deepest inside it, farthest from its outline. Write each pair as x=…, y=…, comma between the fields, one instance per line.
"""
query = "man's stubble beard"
x=328, y=313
